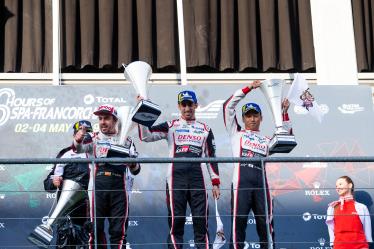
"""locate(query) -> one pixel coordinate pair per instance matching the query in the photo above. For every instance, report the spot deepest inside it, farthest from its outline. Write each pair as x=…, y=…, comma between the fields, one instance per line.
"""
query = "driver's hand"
x=255, y=84
x=216, y=192
x=57, y=181
x=79, y=136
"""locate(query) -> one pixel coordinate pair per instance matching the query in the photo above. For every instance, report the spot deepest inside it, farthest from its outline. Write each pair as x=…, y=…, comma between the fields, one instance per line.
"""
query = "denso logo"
x=189, y=137
x=255, y=145
x=105, y=107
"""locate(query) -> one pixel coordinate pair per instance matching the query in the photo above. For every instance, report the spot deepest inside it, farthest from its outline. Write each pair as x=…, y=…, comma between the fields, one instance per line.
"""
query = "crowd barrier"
x=145, y=161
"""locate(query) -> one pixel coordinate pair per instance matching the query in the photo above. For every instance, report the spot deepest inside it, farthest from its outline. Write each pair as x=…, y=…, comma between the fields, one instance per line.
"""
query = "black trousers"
x=111, y=203
x=187, y=186
x=247, y=193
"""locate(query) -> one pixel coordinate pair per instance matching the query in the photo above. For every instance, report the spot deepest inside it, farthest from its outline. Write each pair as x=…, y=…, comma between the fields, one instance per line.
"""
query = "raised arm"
x=229, y=113
x=287, y=125
x=153, y=133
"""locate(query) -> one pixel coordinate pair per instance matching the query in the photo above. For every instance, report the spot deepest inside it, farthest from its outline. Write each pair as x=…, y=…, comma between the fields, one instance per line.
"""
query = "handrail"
x=185, y=159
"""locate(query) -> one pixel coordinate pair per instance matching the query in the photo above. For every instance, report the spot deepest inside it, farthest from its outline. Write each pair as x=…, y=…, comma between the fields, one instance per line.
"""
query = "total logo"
x=90, y=99
x=251, y=221
x=350, y=108
x=317, y=191
x=322, y=244
x=251, y=245
x=308, y=216
x=189, y=220
x=209, y=111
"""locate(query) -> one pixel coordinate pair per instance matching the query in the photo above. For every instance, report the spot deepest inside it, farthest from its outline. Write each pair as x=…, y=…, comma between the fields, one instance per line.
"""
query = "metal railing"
x=153, y=160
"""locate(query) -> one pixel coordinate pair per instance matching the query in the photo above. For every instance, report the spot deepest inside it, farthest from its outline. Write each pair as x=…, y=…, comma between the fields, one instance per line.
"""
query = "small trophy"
x=71, y=193
x=138, y=73
x=282, y=141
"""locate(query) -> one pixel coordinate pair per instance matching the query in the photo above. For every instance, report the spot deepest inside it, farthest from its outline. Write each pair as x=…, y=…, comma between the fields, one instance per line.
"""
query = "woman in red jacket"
x=348, y=221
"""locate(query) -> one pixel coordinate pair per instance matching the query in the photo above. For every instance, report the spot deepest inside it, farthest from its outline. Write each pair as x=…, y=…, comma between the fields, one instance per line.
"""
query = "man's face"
x=187, y=109
x=252, y=120
x=343, y=188
x=107, y=124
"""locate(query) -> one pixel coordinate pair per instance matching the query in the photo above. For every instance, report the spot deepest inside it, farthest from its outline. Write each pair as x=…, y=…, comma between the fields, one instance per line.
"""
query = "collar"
x=248, y=130
x=182, y=120
x=341, y=201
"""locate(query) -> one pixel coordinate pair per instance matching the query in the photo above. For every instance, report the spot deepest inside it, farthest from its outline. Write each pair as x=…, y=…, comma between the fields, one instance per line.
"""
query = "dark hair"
x=349, y=180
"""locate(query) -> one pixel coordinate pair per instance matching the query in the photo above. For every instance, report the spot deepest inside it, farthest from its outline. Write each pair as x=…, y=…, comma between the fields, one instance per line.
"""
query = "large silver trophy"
x=138, y=73
x=125, y=125
x=282, y=141
x=71, y=193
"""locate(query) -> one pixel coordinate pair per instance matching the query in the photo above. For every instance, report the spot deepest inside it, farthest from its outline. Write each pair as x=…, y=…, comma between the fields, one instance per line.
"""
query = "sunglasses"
x=187, y=103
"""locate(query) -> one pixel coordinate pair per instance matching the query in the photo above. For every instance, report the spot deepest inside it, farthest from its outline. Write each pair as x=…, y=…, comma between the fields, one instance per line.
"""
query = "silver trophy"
x=138, y=73
x=282, y=141
x=71, y=193
x=125, y=124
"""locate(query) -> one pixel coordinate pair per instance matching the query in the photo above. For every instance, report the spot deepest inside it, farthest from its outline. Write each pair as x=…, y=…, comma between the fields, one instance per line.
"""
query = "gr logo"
x=2, y=225
x=2, y=167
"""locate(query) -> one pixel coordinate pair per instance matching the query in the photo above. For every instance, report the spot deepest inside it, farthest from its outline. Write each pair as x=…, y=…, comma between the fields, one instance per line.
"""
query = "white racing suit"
x=110, y=190
x=247, y=185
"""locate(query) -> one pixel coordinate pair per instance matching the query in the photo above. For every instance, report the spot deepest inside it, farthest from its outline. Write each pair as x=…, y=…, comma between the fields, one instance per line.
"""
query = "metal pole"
x=182, y=45
x=270, y=238
x=56, y=42
x=93, y=175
